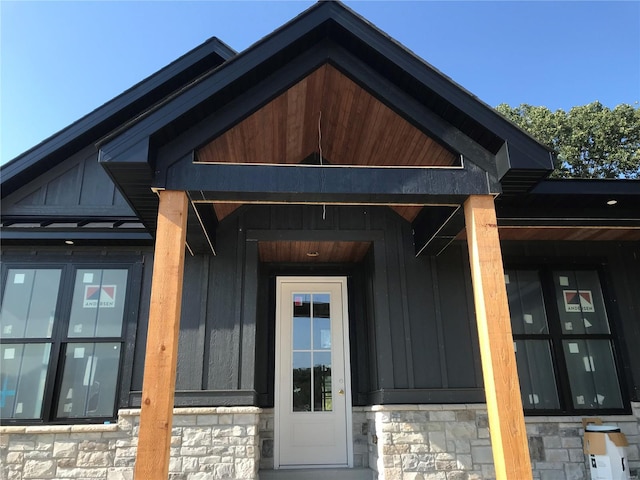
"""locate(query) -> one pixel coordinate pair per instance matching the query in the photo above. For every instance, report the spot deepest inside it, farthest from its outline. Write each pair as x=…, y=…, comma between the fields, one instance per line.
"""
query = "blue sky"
x=61, y=60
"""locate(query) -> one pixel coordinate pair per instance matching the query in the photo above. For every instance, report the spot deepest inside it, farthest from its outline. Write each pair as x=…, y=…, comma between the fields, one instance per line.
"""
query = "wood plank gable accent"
x=327, y=110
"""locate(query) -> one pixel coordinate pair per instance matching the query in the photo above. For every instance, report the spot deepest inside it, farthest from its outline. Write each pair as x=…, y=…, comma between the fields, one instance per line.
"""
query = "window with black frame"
x=62, y=329
x=563, y=341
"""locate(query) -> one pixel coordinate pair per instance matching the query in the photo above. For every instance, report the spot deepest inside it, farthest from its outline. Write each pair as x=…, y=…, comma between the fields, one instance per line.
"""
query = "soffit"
x=327, y=113
x=312, y=252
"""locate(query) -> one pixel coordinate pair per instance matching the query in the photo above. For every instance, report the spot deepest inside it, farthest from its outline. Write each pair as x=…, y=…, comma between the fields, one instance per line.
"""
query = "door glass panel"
x=89, y=380
x=321, y=333
x=536, y=375
x=301, y=381
x=24, y=371
x=311, y=352
x=592, y=374
x=98, y=303
x=580, y=303
x=29, y=304
x=301, y=305
x=302, y=333
x=323, y=398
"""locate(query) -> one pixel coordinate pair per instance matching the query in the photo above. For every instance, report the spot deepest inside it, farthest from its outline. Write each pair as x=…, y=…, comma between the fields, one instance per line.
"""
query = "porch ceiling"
x=312, y=252
x=327, y=110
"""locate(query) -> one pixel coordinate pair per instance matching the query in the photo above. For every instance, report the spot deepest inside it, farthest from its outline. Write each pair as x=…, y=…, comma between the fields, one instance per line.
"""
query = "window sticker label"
x=528, y=318
x=297, y=300
x=564, y=281
x=78, y=352
x=10, y=353
x=573, y=348
x=587, y=323
x=580, y=399
x=77, y=328
x=96, y=295
x=7, y=329
x=18, y=278
x=506, y=279
x=87, y=278
x=578, y=301
x=534, y=399
x=515, y=347
x=568, y=326
x=19, y=407
x=588, y=364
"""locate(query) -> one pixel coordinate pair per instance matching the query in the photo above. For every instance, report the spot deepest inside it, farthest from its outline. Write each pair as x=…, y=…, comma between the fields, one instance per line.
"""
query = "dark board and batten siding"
x=401, y=312
x=78, y=187
x=412, y=329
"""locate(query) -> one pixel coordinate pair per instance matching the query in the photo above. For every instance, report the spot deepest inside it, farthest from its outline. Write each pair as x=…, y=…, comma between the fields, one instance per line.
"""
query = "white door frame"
x=347, y=361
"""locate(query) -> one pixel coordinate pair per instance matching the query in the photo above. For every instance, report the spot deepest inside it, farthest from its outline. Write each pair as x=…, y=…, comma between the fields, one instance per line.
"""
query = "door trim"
x=342, y=280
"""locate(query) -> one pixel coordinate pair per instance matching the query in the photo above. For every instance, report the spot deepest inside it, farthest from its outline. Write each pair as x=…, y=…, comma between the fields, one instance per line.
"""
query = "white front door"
x=312, y=394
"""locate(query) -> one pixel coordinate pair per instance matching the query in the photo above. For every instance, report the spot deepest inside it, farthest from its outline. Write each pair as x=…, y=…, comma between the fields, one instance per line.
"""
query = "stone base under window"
x=398, y=442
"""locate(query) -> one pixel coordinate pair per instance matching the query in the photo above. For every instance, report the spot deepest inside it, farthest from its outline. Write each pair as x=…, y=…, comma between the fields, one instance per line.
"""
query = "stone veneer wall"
x=398, y=442
x=206, y=443
x=451, y=442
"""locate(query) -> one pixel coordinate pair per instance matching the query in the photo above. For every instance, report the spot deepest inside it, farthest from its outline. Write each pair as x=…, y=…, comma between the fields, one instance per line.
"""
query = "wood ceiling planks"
x=298, y=251
x=355, y=129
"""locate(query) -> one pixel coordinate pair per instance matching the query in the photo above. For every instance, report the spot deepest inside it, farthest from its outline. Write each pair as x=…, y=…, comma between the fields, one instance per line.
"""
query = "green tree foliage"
x=590, y=141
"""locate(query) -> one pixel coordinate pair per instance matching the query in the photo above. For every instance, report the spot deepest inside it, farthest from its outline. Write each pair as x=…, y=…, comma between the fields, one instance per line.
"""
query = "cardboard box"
x=604, y=446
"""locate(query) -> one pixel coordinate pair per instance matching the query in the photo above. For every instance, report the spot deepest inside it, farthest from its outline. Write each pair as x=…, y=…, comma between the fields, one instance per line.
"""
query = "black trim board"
x=310, y=183
x=205, y=398
x=426, y=396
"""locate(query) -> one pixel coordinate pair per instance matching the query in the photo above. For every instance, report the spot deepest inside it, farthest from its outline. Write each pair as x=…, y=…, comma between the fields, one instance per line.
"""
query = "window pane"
x=301, y=333
x=29, y=303
x=301, y=381
x=98, y=303
x=592, y=374
x=321, y=334
x=526, y=303
x=89, y=380
x=535, y=372
x=323, y=401
x=301, y=305
x=24, y=371
x=580, y=302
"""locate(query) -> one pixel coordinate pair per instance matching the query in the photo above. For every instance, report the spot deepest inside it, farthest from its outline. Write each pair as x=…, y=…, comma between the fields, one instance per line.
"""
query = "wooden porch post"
x=152, y=460
x=502, y=388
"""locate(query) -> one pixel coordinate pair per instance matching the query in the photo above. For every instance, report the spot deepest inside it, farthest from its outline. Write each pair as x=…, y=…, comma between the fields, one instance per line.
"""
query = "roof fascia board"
x=234, y=112
x=536, y=154
x=80, y=127
x=213, y=82
x=238, y=109
x=412, y=111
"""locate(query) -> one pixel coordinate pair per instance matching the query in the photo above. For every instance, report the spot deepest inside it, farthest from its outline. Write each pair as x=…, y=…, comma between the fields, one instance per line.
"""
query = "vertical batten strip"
x=154, y=439
x=502, y=389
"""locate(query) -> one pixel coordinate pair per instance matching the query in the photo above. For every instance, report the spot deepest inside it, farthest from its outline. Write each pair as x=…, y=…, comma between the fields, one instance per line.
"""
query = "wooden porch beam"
x=502, y=388
x=154, y=439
